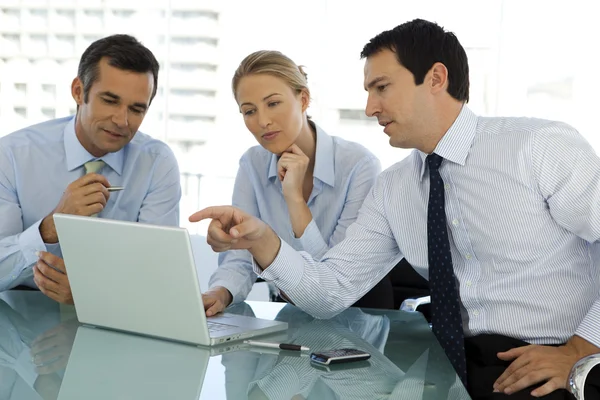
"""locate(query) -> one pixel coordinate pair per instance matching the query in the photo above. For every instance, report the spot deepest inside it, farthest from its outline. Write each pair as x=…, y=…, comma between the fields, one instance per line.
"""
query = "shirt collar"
x=324, y=158
x=77, y=155
x=456, y=143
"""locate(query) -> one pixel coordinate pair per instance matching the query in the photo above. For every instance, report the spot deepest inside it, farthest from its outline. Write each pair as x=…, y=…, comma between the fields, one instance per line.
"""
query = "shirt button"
x=468, y=256
x=455, y=222
x=476, y=313
x=447, y=186
x=469, y=283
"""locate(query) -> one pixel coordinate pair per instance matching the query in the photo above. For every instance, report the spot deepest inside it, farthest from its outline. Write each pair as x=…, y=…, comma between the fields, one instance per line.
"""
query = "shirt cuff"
x=236, y=296
x=312, y=241
x=285, y=271
x=30, y=241
x=589, y=329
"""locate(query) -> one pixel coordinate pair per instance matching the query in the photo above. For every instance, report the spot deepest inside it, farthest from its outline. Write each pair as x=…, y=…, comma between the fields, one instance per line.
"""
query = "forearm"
x=300, y=215
x=345, y=273
x=312, y=241
x=14, y=269
x=324, y=289
x=17, y=256
x=308, y=283
x=306, y=230
x=235, y=274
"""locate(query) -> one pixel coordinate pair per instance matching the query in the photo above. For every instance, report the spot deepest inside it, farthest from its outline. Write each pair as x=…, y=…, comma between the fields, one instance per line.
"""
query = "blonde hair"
x=273, y=63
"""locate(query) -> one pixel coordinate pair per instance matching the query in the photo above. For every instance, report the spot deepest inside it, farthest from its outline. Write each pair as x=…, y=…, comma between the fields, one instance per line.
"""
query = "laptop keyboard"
x=216, y=327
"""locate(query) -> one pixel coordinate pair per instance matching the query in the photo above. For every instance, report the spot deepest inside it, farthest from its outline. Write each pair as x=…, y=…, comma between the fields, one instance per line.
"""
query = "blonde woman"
x=304, y=183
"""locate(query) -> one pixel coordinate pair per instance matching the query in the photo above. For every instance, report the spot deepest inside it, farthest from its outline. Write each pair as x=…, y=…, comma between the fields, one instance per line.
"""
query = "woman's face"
x=272, y=110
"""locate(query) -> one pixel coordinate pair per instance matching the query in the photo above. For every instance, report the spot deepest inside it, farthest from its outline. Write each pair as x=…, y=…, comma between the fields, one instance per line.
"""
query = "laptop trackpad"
x=224, y=325
x=227, y=324
x=217, y=328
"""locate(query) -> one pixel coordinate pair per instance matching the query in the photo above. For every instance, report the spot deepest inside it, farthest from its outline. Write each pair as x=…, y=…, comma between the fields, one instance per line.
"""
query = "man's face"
x=394, y=99
x=116, y=106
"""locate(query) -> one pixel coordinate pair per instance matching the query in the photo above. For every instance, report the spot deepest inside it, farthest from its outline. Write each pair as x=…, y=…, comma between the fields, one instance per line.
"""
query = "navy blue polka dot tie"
x=446, y=319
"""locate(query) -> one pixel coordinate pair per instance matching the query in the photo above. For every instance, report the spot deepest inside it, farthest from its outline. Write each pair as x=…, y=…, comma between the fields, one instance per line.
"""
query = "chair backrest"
x=408, y=284
x=380, y=296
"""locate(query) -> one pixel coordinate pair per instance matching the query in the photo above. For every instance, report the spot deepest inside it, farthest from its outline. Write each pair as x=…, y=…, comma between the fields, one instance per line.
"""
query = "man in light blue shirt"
x=43, y=167
x=518, y=209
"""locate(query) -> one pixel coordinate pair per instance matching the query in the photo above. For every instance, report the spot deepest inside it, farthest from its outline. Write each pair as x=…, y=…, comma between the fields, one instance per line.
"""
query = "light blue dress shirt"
x=38, y=163
x=523, y=212
x=343, y=175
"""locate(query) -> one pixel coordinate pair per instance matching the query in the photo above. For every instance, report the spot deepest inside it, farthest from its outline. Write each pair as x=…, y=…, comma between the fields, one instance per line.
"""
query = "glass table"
x=46, y=354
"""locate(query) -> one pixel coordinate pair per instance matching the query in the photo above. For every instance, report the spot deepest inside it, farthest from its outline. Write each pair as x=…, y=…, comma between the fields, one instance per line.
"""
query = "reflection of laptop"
x=142, y=278
x=113, y=365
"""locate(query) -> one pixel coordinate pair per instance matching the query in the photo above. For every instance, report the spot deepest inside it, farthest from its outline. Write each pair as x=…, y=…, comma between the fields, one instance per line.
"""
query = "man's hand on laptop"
x=216, y=300
x=232, y=229
x=86, y=196
x=50, y=276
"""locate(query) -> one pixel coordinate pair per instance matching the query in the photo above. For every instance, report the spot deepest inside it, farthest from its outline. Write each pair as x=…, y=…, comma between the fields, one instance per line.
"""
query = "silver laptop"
x=113, y=365
x=142, y=278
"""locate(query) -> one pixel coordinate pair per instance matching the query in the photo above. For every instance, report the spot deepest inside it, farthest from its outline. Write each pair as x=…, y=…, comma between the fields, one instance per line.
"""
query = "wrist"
x=580, y=347
x=294, y=198
x=225, y=295
x=48, y=230
x=266, y=248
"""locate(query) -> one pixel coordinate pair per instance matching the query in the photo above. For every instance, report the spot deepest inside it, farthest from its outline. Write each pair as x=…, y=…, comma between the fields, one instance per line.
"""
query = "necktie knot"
x=434, y=161
x=93, y=166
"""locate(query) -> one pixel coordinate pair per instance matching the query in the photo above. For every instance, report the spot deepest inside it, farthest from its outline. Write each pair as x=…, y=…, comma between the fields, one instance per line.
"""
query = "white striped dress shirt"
x=523, y=212
x=344, y=173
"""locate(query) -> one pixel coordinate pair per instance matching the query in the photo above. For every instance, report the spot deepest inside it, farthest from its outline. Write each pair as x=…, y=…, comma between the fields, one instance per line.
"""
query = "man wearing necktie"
x=501, y=214
x=67, y=165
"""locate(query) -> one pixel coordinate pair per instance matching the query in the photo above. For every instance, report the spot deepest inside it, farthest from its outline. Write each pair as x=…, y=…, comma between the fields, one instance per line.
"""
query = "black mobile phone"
x=338, y=356
x=341, y=367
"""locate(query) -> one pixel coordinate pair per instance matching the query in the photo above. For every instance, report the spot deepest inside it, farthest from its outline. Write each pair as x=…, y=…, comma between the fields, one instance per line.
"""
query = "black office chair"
x=380, y=296
x=408, y=284
x=22, y=287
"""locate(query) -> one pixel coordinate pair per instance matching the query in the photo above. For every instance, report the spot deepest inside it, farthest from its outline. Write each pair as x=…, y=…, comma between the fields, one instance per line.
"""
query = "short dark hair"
x=418, y=45
x=124, y=52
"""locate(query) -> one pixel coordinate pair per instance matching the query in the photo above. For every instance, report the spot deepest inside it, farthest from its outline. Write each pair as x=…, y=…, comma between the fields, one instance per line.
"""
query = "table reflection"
x=46, y=354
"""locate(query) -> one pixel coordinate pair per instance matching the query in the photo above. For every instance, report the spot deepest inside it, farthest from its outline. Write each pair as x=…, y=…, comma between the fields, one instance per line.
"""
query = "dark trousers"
x=484, y=368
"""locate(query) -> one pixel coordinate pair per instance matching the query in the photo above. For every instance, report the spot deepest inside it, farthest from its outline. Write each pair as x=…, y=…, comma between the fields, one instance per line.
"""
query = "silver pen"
x=282, y=346
x=115, y=188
